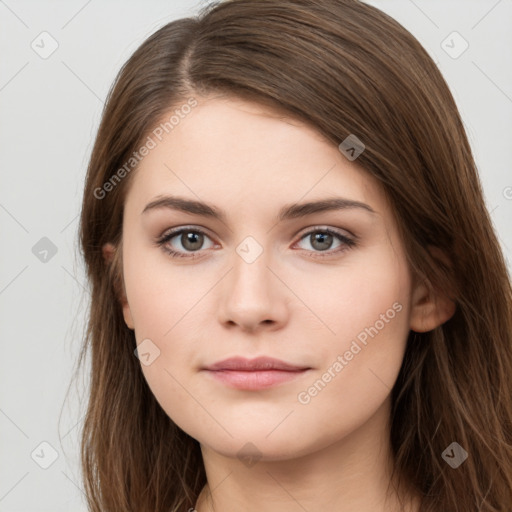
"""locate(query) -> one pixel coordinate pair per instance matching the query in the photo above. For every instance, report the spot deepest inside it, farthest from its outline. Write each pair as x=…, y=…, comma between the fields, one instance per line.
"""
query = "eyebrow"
x=287, y=212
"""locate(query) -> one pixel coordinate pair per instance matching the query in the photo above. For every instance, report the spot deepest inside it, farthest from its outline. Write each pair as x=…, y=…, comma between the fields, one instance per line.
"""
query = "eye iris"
x=325, y=240
x=189, y=238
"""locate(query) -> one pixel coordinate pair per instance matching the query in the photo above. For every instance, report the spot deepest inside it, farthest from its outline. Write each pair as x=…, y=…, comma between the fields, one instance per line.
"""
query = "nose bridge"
x=252, y=295
x=251, y=276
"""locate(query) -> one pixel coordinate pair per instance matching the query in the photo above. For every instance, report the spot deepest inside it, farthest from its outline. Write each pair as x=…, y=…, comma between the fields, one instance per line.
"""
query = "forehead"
x=228, y=148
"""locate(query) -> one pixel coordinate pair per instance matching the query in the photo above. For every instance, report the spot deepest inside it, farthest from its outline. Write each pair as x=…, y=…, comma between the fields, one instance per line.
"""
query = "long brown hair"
x=345, y=68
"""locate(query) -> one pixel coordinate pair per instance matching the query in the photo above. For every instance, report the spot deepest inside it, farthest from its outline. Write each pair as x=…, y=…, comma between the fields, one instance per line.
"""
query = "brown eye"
x=183, y=242
x=191, y=240
x=321, y=240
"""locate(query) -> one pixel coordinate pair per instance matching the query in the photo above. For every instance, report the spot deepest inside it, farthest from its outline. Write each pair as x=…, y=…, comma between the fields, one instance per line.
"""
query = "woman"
x=298, y=298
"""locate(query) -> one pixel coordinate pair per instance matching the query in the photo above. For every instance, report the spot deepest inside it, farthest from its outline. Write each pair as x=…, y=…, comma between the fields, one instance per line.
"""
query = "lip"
x=257, y=364
x=253, y=374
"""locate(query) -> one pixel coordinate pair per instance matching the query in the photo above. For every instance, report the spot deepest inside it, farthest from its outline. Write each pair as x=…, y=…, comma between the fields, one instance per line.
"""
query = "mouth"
x=255, y=374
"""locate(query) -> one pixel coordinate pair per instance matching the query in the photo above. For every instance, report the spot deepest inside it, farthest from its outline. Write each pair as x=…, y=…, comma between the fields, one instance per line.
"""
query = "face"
x=325, y=290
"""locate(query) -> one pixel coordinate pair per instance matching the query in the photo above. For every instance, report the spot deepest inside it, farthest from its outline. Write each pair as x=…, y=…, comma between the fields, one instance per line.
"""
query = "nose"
x=253, y=297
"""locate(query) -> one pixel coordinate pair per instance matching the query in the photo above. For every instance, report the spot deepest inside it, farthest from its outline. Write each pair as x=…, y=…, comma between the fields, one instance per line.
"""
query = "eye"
x=190, y=239
x=322, y=239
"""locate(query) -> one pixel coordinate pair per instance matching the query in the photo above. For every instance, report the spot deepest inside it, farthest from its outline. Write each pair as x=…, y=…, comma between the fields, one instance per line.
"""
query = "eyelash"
x=160, y=242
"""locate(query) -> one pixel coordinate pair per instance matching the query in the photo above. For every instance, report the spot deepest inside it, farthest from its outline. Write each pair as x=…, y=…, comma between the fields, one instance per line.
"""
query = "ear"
x=430, y=308
x=108, y=250
x=109, y=253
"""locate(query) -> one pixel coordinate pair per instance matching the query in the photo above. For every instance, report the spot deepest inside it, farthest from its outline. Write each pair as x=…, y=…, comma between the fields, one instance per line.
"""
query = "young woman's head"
x=291, y=179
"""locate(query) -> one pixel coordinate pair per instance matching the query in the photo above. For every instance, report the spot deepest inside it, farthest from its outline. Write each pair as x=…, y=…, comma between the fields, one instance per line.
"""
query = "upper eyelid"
x=171, y=233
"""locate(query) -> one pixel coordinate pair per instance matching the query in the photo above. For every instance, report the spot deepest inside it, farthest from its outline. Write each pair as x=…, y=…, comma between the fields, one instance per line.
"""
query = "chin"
x=254, y=444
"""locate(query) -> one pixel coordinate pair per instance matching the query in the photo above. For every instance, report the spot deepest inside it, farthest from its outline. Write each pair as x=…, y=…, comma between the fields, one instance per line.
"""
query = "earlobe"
x=109, y=251
x=127, y=314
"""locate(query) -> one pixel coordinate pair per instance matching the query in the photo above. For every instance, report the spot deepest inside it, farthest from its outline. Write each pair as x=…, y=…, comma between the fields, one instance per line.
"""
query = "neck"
x=348, y=475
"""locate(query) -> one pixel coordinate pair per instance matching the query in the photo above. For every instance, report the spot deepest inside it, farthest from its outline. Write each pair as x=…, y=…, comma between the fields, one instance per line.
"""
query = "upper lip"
x=259, y=363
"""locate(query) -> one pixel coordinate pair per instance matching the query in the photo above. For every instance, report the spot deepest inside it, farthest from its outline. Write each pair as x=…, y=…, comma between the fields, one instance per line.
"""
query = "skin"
x=333, y=452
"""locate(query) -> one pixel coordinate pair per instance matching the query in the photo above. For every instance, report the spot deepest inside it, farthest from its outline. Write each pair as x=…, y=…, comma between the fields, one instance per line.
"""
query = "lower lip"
x=253, y=380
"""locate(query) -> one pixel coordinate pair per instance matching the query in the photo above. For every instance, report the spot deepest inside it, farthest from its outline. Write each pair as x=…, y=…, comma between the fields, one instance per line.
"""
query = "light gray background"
x=50, y=109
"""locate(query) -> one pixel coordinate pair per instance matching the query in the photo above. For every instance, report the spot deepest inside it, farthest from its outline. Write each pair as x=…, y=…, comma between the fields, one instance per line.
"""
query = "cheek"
x=161, y=295
x=370, y=291
x=370, y=317
x=168, y=308
x=355, y=382
x=365, y=307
